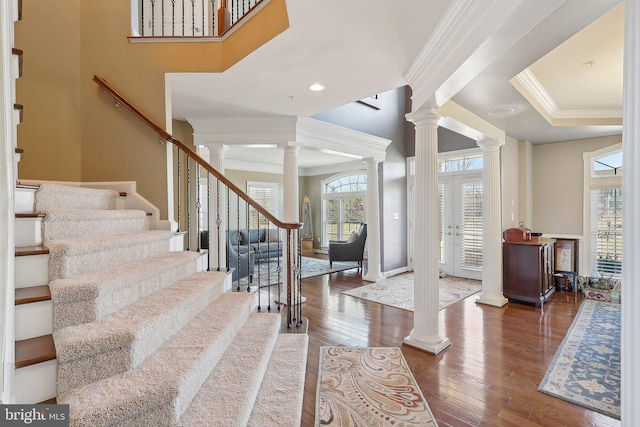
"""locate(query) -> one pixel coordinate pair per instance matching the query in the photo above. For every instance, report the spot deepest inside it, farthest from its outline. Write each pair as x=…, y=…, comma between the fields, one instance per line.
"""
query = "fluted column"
x=630, y=410
x=217, y=209
x=491, y=225
x=426, y=325
x=290, y=203
x=373, y=222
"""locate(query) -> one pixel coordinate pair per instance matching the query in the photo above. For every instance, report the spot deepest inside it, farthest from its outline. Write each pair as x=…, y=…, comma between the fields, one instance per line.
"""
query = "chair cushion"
x=250, y=236
x=273, y=234
x=352, y=237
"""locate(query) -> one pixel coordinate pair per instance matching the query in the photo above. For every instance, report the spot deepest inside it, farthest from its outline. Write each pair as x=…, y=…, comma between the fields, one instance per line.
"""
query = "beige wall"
x=50, y=132
x=74, y=130
x=557, y=171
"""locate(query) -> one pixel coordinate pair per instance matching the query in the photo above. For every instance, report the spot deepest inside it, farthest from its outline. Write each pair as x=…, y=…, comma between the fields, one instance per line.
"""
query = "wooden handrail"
x=166, y=136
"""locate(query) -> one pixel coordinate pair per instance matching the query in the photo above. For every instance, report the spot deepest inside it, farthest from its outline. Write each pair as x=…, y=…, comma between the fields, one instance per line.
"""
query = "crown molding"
x=536, y=94
x=356, y=165
x=252, y=167
x=460, y=48
x=322, y=136
x=243, y=130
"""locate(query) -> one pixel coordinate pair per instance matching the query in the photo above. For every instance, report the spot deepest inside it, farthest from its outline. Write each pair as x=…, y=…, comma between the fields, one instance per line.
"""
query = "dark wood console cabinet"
x=527, y=271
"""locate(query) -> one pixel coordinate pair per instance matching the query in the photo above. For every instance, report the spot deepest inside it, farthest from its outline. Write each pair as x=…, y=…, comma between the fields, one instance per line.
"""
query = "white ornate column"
x=426, y=325
x=290, y=184
x=373, y=222
x=491, y=225
x=217, y=200
x=630, y=411
x=290, y=203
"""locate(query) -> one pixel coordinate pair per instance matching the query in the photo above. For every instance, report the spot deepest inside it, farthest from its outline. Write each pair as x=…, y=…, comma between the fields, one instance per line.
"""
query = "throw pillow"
x=274, y=235
x=352, y=237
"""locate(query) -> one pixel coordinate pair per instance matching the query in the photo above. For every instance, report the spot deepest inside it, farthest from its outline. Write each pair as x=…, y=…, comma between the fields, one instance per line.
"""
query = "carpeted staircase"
x=142, y=338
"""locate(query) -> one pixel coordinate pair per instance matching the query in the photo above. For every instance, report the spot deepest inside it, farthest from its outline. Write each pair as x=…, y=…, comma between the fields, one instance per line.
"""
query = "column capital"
x=489, y=144
x=290, y=145
x=371, y=161
x=424, y=118
x=216, y=147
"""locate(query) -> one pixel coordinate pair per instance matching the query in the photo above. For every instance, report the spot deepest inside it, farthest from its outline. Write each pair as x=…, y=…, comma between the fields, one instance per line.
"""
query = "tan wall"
x=558, y=184
x=49, y=90
x=99, y=142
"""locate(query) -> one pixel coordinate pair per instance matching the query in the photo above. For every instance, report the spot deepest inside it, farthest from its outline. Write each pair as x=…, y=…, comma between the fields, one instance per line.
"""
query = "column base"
x=494, y=300
x=283, y=299
x=434, y=346
x=372, y=277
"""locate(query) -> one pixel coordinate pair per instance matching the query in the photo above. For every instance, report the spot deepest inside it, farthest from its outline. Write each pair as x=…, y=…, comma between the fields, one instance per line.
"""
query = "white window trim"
x=593, y=182
x=339, y=195
x=270, y=185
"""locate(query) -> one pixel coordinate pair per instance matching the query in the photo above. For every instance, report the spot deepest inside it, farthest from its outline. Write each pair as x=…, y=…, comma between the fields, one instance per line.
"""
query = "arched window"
x=343, y=205
x=603, y=211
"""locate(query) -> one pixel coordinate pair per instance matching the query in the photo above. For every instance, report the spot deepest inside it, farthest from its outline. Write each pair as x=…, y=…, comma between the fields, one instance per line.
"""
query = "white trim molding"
x=537, y=95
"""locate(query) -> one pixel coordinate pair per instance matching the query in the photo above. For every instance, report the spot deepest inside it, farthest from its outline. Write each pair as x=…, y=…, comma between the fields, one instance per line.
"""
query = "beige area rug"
x=368, y=387
x=397, y=291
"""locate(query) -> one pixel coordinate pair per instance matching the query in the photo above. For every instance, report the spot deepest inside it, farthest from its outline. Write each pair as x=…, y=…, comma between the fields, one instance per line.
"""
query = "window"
x=461, y=162
x=266, y=194
x=606, y=228
x=603, y=207
x=343, y=206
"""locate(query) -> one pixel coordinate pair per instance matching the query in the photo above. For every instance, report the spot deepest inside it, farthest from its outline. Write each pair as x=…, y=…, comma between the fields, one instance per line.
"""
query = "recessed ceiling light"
x=316, y=87
x=502, y=112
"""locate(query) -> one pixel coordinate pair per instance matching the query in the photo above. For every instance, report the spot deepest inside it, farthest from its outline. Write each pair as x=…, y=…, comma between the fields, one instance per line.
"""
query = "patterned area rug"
x=397, y=291
x=368, y=387
x=310, y=267
x=586, y=367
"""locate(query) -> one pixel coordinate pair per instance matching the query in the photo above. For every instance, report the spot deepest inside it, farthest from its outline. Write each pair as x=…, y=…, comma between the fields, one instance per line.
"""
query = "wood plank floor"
x=488, y=376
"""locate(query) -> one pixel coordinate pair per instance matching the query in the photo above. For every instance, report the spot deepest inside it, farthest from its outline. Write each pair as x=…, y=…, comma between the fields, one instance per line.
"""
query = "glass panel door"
x=461, y=225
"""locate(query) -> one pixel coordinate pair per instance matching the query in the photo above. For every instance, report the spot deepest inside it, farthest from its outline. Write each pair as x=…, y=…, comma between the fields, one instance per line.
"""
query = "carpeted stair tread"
x=93, y=296
x=159, y=389
x=96, y=350
x=231, y=389
x=279, y=401
x=63, y=224
x=80, y=255
x=55, y=196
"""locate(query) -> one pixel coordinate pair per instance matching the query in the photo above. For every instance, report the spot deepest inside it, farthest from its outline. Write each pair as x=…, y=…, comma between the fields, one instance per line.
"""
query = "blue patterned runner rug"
x=586, y=367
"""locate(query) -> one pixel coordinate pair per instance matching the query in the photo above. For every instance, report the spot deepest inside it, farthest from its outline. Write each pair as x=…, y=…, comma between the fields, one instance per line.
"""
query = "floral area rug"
x=397, y=291
x=586, y=367
x=368, y=387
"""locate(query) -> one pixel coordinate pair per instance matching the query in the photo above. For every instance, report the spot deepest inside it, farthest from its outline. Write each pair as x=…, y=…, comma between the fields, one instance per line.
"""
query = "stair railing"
x=250, y=266
x=189, y=18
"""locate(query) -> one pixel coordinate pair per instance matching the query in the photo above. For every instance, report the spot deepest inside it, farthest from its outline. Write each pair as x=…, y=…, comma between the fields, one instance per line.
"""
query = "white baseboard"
x=395, y=272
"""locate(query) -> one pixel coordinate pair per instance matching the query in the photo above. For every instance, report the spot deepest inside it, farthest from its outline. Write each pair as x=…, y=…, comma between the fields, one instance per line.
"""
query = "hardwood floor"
x=488, y=376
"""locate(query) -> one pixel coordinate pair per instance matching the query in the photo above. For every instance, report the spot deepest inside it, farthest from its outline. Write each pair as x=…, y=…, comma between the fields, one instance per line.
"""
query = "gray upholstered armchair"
x=242, y=263
x=349, y=250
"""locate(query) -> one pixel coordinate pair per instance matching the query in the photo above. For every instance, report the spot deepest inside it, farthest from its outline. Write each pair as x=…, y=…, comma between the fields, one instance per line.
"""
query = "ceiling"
x=357, y=48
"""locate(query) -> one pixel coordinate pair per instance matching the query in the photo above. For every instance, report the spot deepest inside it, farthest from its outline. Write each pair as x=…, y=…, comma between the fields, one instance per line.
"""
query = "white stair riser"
x=15, y=62
x=36, y=383
x=15, y=11
x=28, y=232
x=25, y=200
x=34, y=320
x=176, y=243
x=32, y=270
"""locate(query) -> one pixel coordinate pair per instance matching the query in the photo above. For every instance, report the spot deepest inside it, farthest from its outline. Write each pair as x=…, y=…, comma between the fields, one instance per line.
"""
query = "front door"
x=461, y=224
